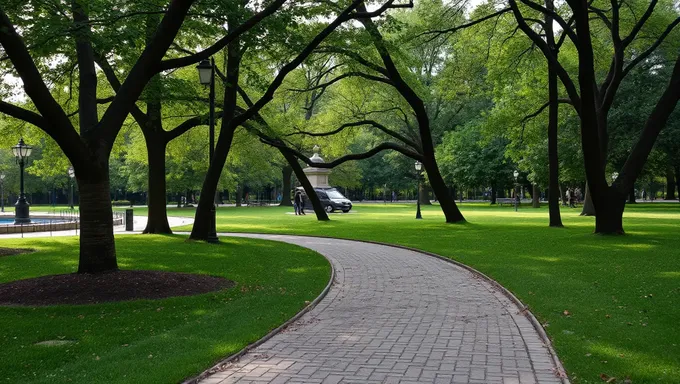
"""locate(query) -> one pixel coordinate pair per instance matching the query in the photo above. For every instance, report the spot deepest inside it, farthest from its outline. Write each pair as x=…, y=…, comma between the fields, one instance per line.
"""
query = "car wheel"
x=329, y=208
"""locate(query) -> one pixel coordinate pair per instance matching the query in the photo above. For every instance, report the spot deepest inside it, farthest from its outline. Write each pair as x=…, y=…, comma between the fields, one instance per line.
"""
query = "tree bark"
x=286, y=173
x=239, y=195
x=203, y=219
x=321, y=214
x=157, y=221
x=424, y=194
x=677, y=179
x=609, y=220
x=631, y=196
x=97, y=246
x=446, y=201
x=555, y=217
x=493, y=194
x=535, y=196
x=670, y=183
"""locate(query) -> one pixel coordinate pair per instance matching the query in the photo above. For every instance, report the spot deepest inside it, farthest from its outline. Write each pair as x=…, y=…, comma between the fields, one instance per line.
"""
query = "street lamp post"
x=2, y=192
x=206, y=75
x=71, y=175
x=516, y=174
x=419, y=167
x=21, y=208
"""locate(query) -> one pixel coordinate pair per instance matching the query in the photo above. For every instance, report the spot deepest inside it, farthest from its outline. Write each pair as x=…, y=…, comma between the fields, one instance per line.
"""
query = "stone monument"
x=318, y=177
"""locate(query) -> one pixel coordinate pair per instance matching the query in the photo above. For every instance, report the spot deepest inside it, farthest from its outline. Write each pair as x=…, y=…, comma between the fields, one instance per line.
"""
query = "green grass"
x=153, y=341
x=622, y=293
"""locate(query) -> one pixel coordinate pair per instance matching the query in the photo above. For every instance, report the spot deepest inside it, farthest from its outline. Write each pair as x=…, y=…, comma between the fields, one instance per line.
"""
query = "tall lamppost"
x=516, y=174
x=21, y=208
x=419, y=167
x=206, y=75
x=71, y=175
x=2, y=192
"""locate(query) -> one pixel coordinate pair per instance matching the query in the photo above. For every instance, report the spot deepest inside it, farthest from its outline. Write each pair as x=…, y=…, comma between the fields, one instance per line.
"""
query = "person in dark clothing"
x=299, y=203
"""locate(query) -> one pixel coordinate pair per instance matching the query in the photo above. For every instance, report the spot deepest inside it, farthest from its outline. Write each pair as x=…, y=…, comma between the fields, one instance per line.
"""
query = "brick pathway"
x=397, y=316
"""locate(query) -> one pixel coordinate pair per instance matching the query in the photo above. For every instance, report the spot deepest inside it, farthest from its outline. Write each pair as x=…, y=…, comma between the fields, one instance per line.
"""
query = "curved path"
x=398, y=316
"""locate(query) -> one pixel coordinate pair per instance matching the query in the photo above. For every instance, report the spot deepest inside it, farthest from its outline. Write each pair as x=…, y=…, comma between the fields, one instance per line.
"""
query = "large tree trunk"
x=97, y=246
x=286, y=173
x=424, y=194
x=588, y=206
x=555, y=217
x=239, y=195
x=677, y=179
x=631, y=196
x=670, y=183
x=203, y=219
x=609, y=219
x=157, y=221
x=446, y=201
x=535, y=196
x=321, y=214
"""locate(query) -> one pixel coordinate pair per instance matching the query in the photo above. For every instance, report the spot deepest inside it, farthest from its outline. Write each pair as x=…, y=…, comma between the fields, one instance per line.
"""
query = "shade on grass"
x=153, y=341
x=621, y=294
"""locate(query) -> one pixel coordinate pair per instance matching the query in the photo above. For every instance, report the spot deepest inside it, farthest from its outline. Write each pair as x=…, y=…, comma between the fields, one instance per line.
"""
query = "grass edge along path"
x=609, y=303
x=164, y=340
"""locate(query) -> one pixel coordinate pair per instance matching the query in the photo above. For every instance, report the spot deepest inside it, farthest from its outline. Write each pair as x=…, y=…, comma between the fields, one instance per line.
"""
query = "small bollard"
x=129, y=222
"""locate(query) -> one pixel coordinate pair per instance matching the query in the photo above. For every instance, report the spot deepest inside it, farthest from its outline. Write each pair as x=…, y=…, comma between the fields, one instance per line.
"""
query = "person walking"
x=299, y=203
x=570, y=198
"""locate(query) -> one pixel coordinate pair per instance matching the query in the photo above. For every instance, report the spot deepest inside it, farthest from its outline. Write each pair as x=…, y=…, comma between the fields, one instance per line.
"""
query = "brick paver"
x=397, y=316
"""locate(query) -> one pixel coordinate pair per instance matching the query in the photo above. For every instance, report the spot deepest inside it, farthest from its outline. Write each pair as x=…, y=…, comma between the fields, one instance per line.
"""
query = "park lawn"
x=621, y=294
x=153, y=341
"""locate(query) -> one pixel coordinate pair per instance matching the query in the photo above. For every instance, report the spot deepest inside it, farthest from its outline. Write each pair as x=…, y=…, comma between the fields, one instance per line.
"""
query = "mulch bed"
x=13, y=251
x=114, y=286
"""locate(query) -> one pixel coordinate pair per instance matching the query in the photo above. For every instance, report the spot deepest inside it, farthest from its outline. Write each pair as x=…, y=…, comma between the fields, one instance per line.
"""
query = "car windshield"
x=333, y=194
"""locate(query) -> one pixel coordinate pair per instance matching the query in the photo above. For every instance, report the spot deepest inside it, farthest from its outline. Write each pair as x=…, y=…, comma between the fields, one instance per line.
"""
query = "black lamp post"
x=71, y=175
x=419, y=167
x=21, y=208
x=516, y=173
x=206, y=75
x=2, y=192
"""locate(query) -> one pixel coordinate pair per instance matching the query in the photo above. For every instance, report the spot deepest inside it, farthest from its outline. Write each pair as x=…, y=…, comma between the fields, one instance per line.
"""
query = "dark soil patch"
x=13, y=251
x=115, y=286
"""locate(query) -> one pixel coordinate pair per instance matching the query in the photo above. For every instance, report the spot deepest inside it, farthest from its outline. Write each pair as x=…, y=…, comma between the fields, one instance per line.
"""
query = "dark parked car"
x=331, y=199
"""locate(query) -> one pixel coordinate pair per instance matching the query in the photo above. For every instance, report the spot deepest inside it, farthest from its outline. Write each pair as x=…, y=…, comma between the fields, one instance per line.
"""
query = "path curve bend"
x=398, y=316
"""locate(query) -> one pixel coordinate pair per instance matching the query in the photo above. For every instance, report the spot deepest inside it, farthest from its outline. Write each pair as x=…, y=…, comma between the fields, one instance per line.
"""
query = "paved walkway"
x=397, y=316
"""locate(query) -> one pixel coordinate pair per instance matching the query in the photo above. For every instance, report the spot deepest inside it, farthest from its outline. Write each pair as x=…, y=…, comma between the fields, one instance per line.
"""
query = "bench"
x=259, y=203
x=505, y=200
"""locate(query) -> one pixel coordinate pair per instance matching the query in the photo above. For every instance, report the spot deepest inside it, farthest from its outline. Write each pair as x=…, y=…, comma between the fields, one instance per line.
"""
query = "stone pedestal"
x=318, y=177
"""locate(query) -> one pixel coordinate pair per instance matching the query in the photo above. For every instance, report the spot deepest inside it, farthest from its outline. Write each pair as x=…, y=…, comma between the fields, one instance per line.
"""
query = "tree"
x=231, y=120
x=88, y=148
x=593, y=99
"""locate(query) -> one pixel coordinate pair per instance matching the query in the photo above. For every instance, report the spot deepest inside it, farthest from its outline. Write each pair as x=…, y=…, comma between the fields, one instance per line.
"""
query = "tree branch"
x=373, y=123
x=238, y=31
x=344, y=76
x=346, y=158
x=146, y=67
x=23, y=114
x=638, y=26
x=60, y=127
x=462, y=26
x=186, y=125
x=552, y=60
x=542, y=108
x=638, y=59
